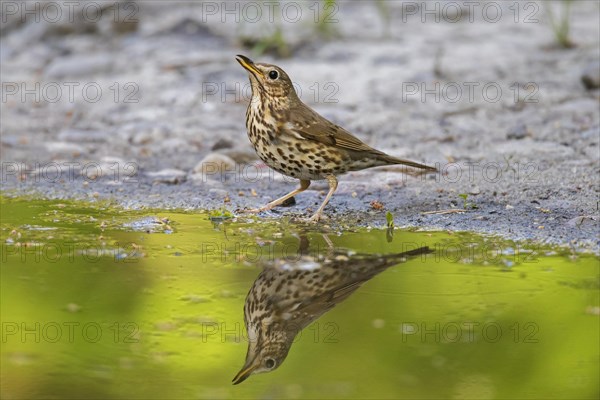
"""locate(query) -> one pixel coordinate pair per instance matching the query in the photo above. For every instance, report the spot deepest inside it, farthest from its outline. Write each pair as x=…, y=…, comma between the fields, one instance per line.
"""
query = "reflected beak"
x=243, y=374
x=248, y=64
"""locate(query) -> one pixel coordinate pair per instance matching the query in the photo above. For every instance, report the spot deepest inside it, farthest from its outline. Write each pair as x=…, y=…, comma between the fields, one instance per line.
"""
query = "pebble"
x=78, y=66
x=215, y=166
x=241, y=156
x=168, y=175
x=583, y=219
x=475, y=190
x=222, y=144
x=64, y=148
x=173, y=144
x=518, y=132
x=591, y=75
x=141, y=133
x=81, y=135
x=218, y=192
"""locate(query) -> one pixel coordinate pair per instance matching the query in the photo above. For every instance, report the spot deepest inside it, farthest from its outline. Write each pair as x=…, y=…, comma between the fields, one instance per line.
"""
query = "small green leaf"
x=219, y=215
x=390, y=219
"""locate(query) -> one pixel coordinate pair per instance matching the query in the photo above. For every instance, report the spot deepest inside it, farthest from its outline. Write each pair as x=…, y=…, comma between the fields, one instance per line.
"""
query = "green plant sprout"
x=466, y=204
x=561, y=28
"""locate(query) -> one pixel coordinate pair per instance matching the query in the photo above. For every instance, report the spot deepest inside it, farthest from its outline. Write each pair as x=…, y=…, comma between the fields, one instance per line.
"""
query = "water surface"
x=106, y=303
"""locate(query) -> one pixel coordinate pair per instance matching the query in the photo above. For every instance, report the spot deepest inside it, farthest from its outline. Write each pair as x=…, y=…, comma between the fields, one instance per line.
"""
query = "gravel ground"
x=147, y=108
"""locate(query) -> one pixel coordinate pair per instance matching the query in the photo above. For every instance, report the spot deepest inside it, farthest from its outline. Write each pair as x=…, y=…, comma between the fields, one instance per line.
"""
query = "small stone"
x=591, y=75
x=218, y=193
x=475, y=190
x=289, y=202
x=142, y=138
x=518, y=132
x=64, y=148
x=169, y=175
x=79, y=65
x=241, y=156
x=82, y=135
x=146, y=132
x=172, y=145
x=215, y=166
x=583, y=219
x=222, y=144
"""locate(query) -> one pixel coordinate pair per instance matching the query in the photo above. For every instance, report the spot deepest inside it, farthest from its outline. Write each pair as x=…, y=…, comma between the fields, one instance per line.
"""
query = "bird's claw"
x=314, y=219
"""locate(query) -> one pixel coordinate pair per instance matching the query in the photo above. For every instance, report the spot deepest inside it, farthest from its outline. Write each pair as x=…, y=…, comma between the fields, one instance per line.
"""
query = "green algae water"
x=100, y=302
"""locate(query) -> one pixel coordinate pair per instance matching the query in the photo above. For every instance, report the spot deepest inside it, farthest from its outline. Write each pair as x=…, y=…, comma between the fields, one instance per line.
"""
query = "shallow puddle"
x=99, y=302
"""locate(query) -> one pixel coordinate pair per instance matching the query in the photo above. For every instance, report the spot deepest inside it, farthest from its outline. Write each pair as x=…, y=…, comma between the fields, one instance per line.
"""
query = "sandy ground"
x=146, y=107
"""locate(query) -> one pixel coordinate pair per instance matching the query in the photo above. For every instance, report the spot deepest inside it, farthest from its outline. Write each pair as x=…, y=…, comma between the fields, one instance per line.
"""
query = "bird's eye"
x=270, y=363
x=273, y=74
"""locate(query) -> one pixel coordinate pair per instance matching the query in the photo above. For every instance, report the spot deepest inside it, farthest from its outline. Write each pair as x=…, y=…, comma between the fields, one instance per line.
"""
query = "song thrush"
x=289, y=295
x=294, y=140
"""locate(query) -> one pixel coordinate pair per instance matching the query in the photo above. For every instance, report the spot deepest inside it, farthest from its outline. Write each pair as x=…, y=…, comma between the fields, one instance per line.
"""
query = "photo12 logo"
x=69, y=171
x=69, y=92
x=471, y=11
x=469, y=332
x=68, y=11
x=471, y=92
x=268, y=11
x=69, y=332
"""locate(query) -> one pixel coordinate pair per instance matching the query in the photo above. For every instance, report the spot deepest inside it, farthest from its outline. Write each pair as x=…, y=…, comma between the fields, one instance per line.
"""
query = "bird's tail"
x=388, y=260
x=393, y=160
x=406, y=255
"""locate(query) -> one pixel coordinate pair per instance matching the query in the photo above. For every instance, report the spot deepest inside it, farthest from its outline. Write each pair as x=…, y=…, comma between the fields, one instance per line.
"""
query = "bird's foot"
x=316, y=218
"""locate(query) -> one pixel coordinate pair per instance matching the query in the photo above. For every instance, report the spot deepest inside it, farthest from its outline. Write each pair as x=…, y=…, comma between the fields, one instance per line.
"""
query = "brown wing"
x=309, y=125
x=312, y=126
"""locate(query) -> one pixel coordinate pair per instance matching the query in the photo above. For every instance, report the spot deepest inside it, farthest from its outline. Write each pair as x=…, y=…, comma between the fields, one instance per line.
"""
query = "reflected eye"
x=273, y=75
x=270, y=363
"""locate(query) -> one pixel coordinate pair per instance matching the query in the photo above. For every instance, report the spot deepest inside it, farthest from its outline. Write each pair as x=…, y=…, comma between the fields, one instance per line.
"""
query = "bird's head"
x=268, y=81
x=261, y=359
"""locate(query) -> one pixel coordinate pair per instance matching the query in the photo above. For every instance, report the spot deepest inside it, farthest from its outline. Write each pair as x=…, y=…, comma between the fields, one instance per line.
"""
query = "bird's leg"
x=304, y=184
x=332, y=187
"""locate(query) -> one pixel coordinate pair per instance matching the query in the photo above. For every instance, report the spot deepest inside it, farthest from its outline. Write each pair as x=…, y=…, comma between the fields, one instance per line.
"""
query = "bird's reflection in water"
x=288, y=295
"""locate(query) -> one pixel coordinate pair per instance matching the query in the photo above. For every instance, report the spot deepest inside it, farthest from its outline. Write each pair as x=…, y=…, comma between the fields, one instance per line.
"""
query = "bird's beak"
x=243, y=374
x=248, y=64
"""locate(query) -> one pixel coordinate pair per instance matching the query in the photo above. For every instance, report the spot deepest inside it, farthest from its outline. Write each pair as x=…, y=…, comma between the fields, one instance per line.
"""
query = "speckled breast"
x=291, y=156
